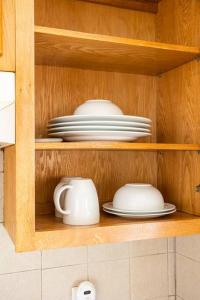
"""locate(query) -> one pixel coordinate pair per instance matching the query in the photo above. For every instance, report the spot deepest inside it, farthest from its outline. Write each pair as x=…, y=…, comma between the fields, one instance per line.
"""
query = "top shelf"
x=101, y=52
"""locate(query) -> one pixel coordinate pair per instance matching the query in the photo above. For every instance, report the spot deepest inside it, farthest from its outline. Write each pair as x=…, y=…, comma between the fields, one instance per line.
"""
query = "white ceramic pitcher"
x=81, y=205
x=63, y=181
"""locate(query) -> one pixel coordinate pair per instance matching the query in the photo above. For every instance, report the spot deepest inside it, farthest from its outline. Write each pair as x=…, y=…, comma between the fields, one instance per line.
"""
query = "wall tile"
x=64, y=257
x=111, y=279
x=188, y=278
x=148, y=247
x=171, y=273
x=57, y=283
x=15, y=262
x=108, y=252
x=21, y=286
x=1, y=161
x=189, y=246
x=149, y=277
x=171, y=244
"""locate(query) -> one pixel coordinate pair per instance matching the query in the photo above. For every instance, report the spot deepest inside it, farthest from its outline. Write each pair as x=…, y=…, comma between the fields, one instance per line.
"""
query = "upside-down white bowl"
x=98, y=107
x=134, y=197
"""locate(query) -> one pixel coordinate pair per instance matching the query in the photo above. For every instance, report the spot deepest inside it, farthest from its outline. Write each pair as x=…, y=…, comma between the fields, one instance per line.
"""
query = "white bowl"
x=135, y=197
x=98, y=107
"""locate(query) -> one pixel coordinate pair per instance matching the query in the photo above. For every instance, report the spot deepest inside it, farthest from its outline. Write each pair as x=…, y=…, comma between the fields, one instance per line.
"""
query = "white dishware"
x=99, y=107
x=140, y=216
x=64, y=181
x=99, y=135
x=100, y=122
x=126, y=118
x=167, y=208
x=48, y=140
x=96, y=127
x=81, y=206
x=138, y=197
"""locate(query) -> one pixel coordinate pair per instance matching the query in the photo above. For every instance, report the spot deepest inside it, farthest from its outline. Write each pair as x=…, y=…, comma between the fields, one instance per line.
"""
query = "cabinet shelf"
x=103, y=52
x=116, y=146
x=51, y=232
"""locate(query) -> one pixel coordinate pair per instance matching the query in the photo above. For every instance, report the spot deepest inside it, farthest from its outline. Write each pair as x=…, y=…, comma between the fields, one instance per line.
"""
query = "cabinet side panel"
x=178, y=106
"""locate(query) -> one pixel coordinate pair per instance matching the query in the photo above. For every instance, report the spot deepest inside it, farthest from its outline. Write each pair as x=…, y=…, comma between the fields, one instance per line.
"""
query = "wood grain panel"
x=178, y=22
x=52, y=233
x=60, y=90
x=178, y=177
x=143, y=5
x=108, y=169
x=102, y=52
x=116, y=146
x=87, y=17
x=7, y=59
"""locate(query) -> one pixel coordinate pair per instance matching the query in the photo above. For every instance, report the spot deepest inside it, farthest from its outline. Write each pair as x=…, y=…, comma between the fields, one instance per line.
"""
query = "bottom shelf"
x=52, y=233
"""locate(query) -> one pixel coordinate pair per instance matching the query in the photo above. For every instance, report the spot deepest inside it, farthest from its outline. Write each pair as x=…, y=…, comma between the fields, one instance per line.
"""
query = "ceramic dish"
x=140, y=216
x=50, y=140
x=99, y=135
x=100, y=118
x=105, y=123
x=91, y=127
x=101, y=106
x=167, y=208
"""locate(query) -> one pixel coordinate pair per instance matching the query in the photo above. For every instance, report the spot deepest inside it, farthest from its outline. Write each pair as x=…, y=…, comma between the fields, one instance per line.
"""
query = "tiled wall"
x=143, y=270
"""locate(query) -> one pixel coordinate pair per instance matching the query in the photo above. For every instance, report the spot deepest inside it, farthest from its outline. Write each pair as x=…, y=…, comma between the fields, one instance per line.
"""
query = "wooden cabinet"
x=148, y=64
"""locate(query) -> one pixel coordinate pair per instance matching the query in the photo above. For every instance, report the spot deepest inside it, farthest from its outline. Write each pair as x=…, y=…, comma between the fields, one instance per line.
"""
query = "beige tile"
x=148, y=247
x=189, y=246
x=57, y=283
x=172, y=298
x=64, y=257
x=177, y=298
x=149, y=277
x=111, y=279
x=171, y=274
x=1, y=161
x=187, y=278
x=171, y=244
x=21, y=286
x=15, y=262
x=108, y=252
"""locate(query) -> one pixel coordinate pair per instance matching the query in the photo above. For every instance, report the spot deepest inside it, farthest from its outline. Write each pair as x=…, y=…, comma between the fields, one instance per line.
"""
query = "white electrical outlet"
x=85, y=291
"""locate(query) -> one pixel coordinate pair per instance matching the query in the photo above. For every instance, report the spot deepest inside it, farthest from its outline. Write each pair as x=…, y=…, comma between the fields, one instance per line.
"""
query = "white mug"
x=81, y=205
x=64, y=181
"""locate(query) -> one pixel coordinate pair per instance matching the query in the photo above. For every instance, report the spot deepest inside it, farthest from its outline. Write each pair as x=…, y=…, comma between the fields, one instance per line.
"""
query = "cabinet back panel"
x=60, y=90
x=108, y=169
x=95, y=18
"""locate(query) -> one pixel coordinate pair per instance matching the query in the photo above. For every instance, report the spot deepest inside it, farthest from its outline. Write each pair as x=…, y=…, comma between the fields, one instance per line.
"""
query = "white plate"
x=91, y=127
x=167, y=208
x=50, y=140
x=101, y=118
x=108, y=123
x=99, y=135
x=136, y=216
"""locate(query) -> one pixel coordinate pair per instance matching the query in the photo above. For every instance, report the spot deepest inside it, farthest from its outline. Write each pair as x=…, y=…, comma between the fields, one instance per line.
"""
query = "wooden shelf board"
x=116, y=146
x=103, y=52
x=52, y=233
x=143, y=5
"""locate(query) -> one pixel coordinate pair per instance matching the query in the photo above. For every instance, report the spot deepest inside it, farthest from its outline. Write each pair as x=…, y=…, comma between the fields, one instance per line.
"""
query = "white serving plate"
x=91, y=127
x=100, y=122
x=99, y=135
x=140, y=216
x=100, y=118
x=167, y=208
x=50, y=140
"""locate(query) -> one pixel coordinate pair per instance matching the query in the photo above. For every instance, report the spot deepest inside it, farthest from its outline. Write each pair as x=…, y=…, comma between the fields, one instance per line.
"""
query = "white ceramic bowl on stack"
x=139, y=201
x=99, y=120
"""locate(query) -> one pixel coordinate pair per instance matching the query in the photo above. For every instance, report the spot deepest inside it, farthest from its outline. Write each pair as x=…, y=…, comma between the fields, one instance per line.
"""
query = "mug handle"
x=58, y=193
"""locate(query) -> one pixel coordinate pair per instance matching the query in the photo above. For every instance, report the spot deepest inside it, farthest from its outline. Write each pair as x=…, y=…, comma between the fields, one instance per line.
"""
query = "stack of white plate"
x=99, y=120
x=167, y=210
